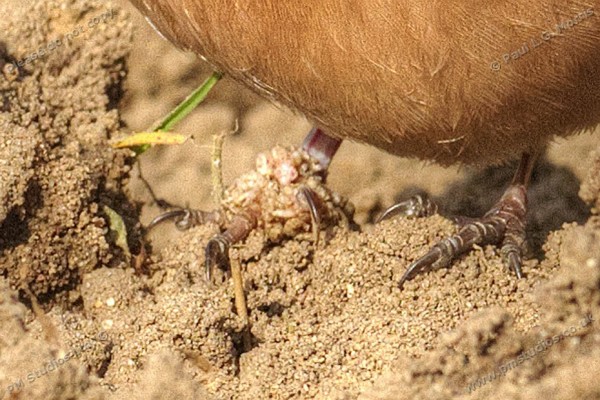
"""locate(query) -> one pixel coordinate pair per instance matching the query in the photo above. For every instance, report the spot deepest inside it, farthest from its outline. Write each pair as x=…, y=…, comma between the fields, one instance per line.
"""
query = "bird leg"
x=285, y=196
x=504, y=223
x=321, y=147
x=216, y=252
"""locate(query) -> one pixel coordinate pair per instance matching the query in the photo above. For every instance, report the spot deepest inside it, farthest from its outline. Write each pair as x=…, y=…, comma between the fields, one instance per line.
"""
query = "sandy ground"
x=80, y=320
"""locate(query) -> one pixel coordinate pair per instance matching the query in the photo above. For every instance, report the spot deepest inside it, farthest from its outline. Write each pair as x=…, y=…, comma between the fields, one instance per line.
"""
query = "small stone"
x=350, y=290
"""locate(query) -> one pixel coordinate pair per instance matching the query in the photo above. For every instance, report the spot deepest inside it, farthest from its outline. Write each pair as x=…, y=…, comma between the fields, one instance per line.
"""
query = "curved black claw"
x=514, y=261
x=308, y=197
x=432, y=257
x=415, y=207
x=186, y=218
x=512, y=246
x=216, y=254
x=504, y=223
x=167, y=216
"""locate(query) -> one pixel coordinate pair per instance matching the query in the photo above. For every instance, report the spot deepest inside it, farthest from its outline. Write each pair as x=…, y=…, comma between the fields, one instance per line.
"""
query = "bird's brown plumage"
x=475, y=82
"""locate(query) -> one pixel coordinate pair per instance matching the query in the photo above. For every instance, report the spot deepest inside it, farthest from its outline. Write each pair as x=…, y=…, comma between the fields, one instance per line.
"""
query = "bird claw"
x=511, y=249
x=309, y=199
x=186, y=218
x=167, y=216
x=216, y=254
x=185, y=222
x=504, y=223
x=418, y=206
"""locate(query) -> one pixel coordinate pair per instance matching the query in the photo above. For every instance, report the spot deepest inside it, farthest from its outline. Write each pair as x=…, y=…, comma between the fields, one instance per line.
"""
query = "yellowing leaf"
x=150, y=138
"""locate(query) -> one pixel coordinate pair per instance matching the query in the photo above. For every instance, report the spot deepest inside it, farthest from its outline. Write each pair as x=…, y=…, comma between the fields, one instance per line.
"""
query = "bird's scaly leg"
x=216, y=252
x=504, y=224
x=321, y=147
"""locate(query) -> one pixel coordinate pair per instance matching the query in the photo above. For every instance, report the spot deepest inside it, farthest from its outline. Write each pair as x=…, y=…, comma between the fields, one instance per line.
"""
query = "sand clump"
x=59, y=170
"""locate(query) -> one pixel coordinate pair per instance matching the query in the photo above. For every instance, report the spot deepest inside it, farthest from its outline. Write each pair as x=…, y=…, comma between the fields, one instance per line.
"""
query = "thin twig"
x=216, y=165
x=50, y=331
x=240, y=300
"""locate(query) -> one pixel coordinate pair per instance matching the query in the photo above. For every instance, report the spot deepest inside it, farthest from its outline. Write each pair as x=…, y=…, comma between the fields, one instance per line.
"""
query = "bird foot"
x=285, y=196
x=503, y=224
